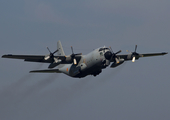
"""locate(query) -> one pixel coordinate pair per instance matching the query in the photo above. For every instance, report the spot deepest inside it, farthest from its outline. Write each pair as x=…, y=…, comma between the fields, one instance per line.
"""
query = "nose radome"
x=108, y=55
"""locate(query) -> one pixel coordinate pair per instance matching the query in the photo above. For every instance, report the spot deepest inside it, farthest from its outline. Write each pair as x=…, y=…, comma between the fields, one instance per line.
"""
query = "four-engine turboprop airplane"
x=78, y=65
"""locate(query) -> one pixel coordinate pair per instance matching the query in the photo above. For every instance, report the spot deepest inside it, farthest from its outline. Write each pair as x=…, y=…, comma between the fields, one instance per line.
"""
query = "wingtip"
x=6, y=55
x=31, y=71
x=164, y=53
x=3, y=56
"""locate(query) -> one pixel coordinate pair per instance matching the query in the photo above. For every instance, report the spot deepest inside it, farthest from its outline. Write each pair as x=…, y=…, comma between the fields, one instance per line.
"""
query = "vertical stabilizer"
x=60, y=52
x=60, y=49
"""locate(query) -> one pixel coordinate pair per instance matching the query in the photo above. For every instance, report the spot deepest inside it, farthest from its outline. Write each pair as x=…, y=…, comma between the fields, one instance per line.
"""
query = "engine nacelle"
x=115, y=64
x=55, y=63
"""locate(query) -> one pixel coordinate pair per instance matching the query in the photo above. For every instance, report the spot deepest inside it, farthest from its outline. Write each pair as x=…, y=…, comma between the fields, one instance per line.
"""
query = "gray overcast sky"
x=133, y=91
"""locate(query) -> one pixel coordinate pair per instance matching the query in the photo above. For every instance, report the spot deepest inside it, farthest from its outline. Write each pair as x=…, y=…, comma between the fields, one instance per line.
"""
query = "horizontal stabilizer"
x=46, y=71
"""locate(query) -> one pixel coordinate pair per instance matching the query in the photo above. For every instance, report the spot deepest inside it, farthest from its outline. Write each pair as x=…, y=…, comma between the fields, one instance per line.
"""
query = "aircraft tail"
x=60, y=52
x=60, y=49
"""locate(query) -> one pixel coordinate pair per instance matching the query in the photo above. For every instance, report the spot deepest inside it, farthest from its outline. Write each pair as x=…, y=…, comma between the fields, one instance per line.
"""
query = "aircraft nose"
x=108, y=55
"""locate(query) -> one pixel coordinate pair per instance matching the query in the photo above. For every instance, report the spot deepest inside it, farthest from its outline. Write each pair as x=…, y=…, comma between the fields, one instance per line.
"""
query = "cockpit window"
x=101, y=49
x=101, y=53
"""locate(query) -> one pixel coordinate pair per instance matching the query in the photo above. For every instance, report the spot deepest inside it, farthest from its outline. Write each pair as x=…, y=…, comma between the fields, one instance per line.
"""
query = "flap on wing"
x=46, y=71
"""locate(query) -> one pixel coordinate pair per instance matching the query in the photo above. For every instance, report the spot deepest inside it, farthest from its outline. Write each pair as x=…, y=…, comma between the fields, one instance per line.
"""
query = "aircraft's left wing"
x=32, y=58
x=133, y=56
x=129, y=56
x=153, y=54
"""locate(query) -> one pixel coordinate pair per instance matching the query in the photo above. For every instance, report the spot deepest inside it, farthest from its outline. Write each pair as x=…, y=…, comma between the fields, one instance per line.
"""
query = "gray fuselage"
x=90, y=64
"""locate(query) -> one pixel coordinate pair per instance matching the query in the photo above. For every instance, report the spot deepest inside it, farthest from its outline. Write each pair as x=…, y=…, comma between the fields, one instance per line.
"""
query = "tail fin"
x=60, y=52
x=60, y=49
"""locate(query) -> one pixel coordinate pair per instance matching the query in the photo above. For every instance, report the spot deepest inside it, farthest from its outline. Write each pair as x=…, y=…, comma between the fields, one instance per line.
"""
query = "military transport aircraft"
x=78, y=65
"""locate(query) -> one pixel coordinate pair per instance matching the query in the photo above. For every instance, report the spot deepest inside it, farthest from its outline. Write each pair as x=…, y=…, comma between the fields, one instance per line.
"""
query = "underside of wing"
x=46, y=71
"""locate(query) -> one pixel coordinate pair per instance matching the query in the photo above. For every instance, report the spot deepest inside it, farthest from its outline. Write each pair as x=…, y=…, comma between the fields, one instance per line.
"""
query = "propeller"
x=115, y=57
x=51, y=55
x=110, y=55
x=134, y=54
x=73, y=56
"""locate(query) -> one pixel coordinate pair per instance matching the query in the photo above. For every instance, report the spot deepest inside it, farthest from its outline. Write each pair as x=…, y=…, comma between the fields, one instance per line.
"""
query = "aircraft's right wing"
x=46, y=71
x=53, y=60
x=32, y=58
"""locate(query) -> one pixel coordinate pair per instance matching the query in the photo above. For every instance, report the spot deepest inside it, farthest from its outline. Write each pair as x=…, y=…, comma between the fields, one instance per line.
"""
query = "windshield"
x=101, y=49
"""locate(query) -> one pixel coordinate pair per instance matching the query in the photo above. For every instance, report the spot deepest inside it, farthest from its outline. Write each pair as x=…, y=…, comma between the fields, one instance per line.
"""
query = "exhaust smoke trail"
x=39, y=66
x=11, y=95
x=14, y=90
x=13, y=87
x=36, y=88
x=62, y=95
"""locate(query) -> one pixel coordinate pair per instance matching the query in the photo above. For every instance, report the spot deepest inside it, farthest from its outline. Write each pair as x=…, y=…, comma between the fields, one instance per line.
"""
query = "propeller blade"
x=72, y=50
x=135, y=48
x=55, y=51
x=48, y=49
x=113, y=52
x=118, y=52
x=78, y=54
x=111, y=49
x=47, y=57
x=74, y=61
x=117, y=61
x=133, y=59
